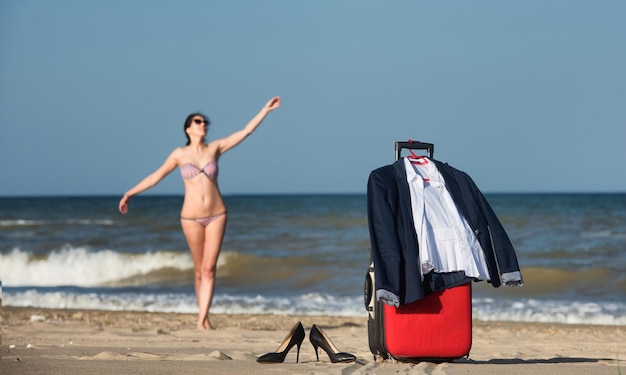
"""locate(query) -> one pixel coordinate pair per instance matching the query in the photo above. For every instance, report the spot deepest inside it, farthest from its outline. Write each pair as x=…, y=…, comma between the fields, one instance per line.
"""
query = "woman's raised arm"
x=236, y=138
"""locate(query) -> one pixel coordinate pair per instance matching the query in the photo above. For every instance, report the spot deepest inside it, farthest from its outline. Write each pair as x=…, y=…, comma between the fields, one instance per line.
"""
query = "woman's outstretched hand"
x=124, y=204
x=273, y=103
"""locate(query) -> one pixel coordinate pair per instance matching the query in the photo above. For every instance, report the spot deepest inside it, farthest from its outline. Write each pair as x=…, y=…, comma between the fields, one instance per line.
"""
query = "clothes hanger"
x=416, y=159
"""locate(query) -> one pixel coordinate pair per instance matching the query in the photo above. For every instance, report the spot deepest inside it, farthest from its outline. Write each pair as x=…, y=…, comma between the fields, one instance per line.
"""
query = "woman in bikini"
x=203, y=216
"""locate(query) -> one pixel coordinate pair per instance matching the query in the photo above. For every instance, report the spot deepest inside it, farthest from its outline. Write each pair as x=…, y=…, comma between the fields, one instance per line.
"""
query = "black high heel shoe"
x=295, y=337
x=320, y=339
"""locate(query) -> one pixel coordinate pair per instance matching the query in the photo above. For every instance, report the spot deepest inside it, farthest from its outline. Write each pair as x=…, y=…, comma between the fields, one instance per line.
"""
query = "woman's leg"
x=205, y=244
x=214, y=235
x=195, y=233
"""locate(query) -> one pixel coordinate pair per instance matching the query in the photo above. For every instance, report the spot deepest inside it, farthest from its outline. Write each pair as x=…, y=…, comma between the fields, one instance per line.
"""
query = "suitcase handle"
x=415, y=145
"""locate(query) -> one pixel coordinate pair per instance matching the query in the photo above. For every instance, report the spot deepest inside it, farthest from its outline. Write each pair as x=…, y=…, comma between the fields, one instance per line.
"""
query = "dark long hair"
x=188, y=124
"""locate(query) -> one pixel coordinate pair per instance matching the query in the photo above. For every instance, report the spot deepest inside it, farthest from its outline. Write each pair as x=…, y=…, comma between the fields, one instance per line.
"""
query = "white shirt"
x=446, y=241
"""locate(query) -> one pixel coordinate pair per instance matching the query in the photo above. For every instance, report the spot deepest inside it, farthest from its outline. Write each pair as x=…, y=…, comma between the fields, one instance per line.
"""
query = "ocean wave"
x=603, y=234
x=105, y=222
x=550, y=311
x=30, y=223
x=307, y=304
x=20, y=222
x=316, y=304
x=80, y=267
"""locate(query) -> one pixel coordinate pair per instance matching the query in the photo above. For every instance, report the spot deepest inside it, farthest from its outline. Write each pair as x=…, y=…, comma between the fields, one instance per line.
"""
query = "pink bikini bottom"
x=204, y=220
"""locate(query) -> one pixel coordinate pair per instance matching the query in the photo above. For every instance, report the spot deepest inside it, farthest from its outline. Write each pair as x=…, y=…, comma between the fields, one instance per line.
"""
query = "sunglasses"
x=198, y=121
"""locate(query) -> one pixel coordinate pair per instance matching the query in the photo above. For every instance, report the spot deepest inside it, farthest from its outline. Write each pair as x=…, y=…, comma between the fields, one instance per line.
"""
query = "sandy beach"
x=50, y=341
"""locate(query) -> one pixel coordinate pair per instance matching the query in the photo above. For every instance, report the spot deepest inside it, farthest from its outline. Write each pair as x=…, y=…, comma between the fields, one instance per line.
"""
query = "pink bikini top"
x=189, y=170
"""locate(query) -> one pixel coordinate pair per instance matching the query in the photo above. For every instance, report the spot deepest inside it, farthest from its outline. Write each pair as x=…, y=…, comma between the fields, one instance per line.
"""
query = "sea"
x=298, y=254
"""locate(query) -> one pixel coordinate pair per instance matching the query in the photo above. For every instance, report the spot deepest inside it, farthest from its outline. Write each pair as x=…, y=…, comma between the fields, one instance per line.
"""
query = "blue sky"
x=525, y=96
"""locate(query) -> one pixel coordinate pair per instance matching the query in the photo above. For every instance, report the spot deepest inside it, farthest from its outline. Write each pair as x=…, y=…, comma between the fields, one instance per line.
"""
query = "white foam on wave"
x=105, y=222
x=317, y=304
x=80, y=267
x=603, y=234
x=20, y=222
x=94, y=301
x=308, y=304
x=314, y=304
x=30, y=223
x=550, y=311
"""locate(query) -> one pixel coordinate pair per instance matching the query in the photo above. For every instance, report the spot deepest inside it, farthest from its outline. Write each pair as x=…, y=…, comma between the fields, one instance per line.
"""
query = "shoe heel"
x=298, y=353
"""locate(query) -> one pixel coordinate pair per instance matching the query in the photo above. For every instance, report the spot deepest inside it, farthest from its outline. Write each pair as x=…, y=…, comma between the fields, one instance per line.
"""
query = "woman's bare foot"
x=205, y=325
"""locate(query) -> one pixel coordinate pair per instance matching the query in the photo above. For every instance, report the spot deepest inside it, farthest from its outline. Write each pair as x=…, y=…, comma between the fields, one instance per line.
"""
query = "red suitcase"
x=435, y=328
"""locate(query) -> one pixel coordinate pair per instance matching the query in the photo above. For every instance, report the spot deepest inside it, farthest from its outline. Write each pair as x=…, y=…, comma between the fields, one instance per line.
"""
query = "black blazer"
x=393, y=239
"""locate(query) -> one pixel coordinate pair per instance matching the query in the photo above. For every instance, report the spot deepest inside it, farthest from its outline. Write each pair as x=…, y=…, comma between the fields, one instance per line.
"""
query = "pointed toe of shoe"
x=270, y=358
x=344, y=358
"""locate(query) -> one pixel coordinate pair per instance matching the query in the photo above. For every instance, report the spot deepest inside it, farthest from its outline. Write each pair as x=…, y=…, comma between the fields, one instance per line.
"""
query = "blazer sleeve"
x=497, y=247
x=506, y=259
x=385, y=246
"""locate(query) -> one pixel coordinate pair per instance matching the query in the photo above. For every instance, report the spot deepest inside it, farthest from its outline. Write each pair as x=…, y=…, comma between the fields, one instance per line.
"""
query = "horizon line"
x=154, y=195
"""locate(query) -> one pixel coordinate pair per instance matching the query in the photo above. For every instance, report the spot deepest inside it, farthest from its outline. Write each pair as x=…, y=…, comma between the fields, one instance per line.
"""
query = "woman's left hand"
x=123, y=206
x=273, y=103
